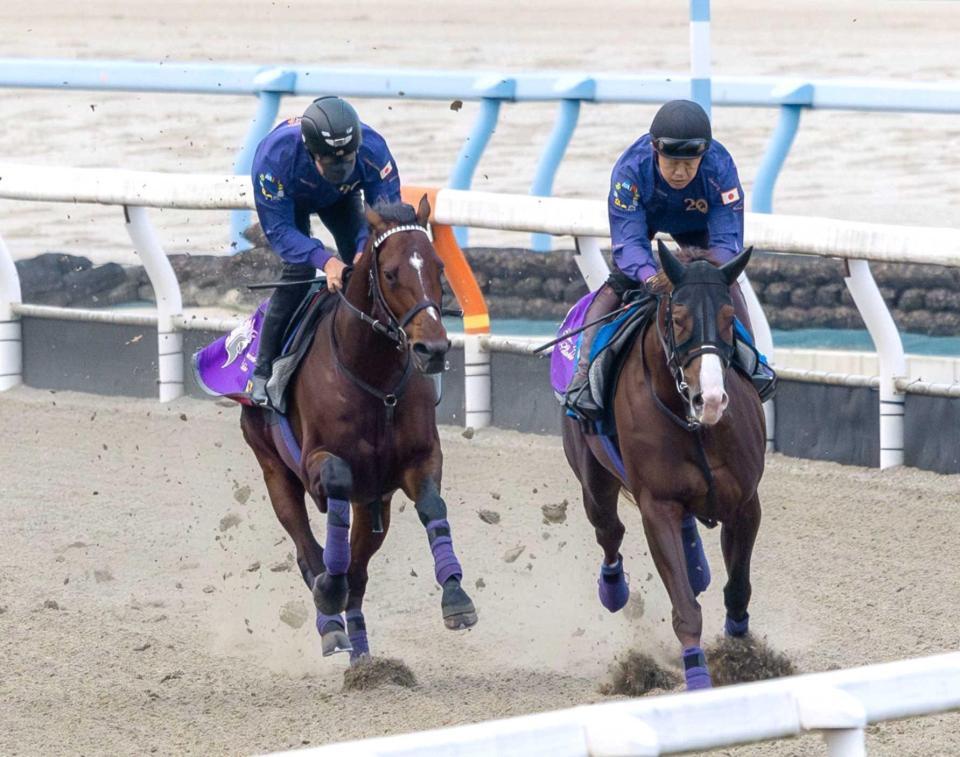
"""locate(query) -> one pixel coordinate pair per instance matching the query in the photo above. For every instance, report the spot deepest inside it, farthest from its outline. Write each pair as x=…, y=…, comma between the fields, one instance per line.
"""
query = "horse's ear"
x=423, y=211
x=733, y=268
x=374, y=218
x=670, y=265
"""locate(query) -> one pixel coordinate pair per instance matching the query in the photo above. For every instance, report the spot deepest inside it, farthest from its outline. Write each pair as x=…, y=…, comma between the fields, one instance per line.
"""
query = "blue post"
x=700, y=54
x=550, y=160
x=793, y=102
x=273, y=84
x=462, y=174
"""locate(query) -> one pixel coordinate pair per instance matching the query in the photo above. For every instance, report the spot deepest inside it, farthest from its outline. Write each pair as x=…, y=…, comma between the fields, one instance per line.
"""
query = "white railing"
x=838, y=704
x=585, y=220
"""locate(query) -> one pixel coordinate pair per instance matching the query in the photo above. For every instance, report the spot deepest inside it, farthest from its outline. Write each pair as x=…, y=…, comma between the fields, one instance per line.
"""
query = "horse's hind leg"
x=601, y=492
x=287, y=497
x=737, y=538
x=364, y=543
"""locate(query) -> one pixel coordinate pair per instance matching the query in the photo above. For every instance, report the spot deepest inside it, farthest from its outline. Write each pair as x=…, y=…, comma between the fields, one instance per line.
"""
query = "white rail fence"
x=585, y=220
x=838, y=704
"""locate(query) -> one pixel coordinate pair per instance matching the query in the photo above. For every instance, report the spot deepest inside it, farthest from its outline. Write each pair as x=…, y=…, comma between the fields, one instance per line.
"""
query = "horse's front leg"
x=329, y=476
x=423, y=488
x=662, y=524
x=364, y=543
x=737, y=538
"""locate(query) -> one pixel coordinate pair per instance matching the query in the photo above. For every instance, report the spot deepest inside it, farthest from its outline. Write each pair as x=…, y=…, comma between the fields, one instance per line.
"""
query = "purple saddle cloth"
x=223, y=368
x=563, y=359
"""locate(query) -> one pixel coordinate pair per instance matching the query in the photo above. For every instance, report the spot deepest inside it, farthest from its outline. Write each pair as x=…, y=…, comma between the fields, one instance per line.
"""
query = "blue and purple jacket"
x=642, y=203
x=288, y=188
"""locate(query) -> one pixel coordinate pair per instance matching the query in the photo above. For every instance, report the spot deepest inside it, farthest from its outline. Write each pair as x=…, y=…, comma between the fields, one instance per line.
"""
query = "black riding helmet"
x=681, y=130
x=330, y=129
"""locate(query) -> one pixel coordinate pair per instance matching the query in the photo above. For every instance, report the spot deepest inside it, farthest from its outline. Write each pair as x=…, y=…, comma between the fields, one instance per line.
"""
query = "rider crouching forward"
x=676, y=179
x=328, y=163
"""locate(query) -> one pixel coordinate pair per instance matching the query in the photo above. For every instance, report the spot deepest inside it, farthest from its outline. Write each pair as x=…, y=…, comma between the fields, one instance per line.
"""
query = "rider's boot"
x=275, y=322
x=578, y=398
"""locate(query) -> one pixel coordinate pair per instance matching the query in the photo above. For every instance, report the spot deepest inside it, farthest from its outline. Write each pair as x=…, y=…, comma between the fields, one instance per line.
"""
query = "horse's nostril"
x=698, y=399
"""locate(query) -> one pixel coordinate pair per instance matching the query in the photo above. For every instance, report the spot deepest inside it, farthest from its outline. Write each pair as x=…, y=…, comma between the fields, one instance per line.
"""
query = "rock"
x=84, y=286
x=241, y=493
x=294, y=613
x=555, y=513
x=512, y=554
x=495, y=495
x=489, y=516
x=51, y=604
x=46, y=272
x=102, y=576
x=480, y=584
x=281, y=567
x=253, y=567
x=468, y=432
x=230, y=520
x=208, y=589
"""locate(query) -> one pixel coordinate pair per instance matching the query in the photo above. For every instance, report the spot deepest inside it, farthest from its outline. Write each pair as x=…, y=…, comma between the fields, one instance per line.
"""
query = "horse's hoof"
x=330, y=593
x=458, y=609
x=334, y=640
x=612, y=586
x=358, y=657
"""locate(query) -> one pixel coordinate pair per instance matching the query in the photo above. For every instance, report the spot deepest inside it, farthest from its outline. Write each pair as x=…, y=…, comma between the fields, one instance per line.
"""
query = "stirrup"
x=579, y=401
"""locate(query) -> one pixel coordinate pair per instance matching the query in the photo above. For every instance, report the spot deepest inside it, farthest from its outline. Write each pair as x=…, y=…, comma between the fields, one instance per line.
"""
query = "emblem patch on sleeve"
x=730, y=195
x=270, y=186
x=386, y=170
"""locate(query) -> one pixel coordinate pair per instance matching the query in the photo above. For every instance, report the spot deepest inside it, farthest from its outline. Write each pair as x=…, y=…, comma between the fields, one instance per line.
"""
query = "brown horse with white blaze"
x=691, y=439
x=361, y=425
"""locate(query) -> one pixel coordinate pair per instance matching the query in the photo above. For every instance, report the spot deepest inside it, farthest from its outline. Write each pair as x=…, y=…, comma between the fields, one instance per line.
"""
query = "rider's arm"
x=725, y=218
x=381, y=179
x=628, y=226
x=275, y=210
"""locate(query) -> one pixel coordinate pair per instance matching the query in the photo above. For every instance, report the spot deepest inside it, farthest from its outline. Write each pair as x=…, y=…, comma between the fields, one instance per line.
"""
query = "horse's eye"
x=390, y=274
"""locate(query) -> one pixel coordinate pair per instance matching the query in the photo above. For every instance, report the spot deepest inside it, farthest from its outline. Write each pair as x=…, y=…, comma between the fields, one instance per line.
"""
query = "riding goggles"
x=680, y=149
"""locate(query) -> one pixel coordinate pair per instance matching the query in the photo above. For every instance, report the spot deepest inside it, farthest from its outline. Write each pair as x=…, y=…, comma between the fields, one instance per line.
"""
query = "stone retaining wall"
x=796, y=291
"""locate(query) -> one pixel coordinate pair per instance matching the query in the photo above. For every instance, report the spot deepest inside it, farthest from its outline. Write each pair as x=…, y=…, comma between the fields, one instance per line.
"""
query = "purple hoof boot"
x=698, y=570
x=358, y=635
x=333, y=636
x=737, y=628
x=613, y=588
x=695, y=669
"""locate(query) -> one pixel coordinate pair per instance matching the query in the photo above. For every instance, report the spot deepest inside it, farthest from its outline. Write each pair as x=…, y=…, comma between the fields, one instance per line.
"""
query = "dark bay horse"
x=692, y=439
x=362, y=416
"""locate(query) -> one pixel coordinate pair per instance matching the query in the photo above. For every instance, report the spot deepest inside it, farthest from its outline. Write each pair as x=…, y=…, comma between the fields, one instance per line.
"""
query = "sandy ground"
x=148, y=527
x=896, y=168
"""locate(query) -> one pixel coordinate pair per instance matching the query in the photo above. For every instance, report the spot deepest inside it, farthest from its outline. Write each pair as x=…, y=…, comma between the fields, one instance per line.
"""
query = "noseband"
x=391, y=326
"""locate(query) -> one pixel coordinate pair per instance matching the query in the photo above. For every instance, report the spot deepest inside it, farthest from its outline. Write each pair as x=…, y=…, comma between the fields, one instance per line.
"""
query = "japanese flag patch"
x=386, y=170
x=730, y=195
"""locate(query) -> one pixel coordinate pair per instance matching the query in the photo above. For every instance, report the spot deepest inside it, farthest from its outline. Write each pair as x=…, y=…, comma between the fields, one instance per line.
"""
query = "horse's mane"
x=660, y=284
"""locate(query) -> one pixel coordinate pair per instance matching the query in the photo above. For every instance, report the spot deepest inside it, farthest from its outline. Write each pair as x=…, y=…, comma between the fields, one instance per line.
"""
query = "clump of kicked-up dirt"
x=744, y=659
x=373, y=672
x=637, y=674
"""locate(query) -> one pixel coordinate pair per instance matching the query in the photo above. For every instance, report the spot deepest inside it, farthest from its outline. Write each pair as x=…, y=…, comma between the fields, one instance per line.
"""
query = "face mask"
x=337, y=169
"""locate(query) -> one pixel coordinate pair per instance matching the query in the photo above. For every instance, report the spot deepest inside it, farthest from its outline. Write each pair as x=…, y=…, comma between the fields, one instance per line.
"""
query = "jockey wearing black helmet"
x=326, y=162
x=676, y=179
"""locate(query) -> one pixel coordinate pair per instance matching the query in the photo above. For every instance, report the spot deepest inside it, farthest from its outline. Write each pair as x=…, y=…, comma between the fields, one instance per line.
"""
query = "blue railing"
x=570, y=90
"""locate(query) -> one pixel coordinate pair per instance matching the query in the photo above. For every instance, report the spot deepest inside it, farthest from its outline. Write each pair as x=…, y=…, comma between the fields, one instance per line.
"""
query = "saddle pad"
x=223, y=368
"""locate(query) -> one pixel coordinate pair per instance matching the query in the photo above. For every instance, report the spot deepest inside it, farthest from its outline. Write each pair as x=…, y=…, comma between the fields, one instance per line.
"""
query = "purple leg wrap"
x=695, y=669
x=737, y=627
x=445, y=562
x=323, y=620
x=614, y=591
x=698, y=571
x=336, y=552
x=357, y=629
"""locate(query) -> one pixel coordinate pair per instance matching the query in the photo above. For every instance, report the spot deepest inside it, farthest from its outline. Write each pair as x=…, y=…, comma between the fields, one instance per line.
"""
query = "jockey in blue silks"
x=675, y=179
x=328, y=163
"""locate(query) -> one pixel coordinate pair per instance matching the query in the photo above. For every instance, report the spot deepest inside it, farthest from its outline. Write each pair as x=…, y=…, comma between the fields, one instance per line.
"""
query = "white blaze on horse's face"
x=713, y=398
x=416, y=262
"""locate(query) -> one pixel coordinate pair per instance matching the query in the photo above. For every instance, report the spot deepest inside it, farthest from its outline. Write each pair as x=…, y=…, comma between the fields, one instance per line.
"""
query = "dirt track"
x=167, y=633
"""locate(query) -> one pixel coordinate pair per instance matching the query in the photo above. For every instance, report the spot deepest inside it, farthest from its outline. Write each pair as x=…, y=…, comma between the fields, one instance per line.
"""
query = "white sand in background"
x=863, y=166
x=124, y=532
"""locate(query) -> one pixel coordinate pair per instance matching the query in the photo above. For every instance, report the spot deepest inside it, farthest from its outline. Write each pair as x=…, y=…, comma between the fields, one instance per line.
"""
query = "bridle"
x=391, y=326
x=705, y=340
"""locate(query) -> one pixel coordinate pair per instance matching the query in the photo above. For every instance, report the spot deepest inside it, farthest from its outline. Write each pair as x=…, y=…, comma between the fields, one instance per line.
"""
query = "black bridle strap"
x=686, y=425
